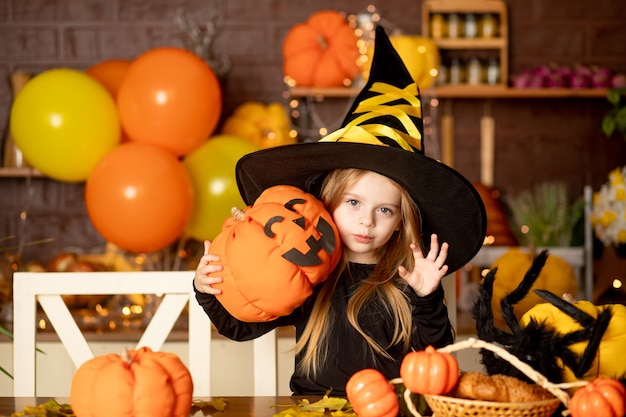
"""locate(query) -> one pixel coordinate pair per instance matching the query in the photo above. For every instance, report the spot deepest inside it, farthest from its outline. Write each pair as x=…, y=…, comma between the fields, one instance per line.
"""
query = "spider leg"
x=594, y=335
x=568, y=308
x=522, y=290
x=483, y=314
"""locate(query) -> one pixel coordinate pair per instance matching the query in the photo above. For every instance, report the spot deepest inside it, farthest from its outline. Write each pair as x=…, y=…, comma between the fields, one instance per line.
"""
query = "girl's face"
x=367, y=215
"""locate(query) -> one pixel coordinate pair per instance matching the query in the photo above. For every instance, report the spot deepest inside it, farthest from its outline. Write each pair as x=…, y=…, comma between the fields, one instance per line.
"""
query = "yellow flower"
x=608, y=216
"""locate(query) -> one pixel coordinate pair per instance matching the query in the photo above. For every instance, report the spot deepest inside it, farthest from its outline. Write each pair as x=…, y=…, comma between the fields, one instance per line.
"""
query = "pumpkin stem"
x=569, y=298
x=237, y=213
x=322, y=42
x=125, y=355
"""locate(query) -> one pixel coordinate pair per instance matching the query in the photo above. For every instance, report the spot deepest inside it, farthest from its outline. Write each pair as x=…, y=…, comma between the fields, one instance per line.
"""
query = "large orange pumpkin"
x=321, y=52
x=557, y=276
x=137, y=383
x=274, y=252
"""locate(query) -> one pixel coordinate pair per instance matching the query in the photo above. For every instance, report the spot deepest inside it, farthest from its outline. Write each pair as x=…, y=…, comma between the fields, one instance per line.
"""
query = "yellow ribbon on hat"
x=359, y=131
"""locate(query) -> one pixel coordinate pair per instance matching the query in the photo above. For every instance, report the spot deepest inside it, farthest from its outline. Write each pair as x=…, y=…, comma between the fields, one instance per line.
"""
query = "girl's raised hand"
x=429, y=270
x=207, y=265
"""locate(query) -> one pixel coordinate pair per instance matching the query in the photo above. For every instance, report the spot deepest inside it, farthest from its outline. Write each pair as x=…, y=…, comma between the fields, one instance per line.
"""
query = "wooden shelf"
x=9, y=172
x=464, y=91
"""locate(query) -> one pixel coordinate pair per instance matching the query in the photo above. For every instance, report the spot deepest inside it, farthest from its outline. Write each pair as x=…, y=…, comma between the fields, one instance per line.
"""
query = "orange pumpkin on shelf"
x=321, y=52
x=273, y=253
x=137, y=383
x=429, y=371
x=371, y=395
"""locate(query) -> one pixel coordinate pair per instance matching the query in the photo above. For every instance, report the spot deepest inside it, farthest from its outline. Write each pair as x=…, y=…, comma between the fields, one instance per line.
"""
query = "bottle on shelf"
x=474, y=71
x=438, y=26
x=488, y=26
x=455, y=26
x=493, y=71
x=471, y=26
x=457, y=75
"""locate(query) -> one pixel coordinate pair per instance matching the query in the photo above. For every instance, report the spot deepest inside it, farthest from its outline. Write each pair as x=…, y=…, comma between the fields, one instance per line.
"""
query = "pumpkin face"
x=429, y=371
x=272, y=257
x=557, y=276
x=609, y=361
x=140, y=383
x=603, y=397
x=321, y=52
x=371, y=395
x=264, y=125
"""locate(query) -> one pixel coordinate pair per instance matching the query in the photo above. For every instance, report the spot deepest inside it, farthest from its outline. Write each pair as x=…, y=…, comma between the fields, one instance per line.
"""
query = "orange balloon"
x=170, y=98
x=110, y=73
x=139, y=197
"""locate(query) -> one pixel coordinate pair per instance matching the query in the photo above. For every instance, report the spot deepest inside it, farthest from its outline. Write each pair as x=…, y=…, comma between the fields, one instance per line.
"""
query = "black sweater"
x=348, y=351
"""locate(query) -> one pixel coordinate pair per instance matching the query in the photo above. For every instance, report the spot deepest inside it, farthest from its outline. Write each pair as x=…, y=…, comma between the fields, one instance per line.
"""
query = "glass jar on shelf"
x=455, y=25
x=457, y=73
x=471, y=26
x=493, y=71
x=488, y=26
x=474, y=71
x=438, y=26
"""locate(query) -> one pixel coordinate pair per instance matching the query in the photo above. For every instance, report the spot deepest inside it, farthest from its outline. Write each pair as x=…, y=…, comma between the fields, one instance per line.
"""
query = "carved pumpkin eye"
x=326, y=241
x=284, y=245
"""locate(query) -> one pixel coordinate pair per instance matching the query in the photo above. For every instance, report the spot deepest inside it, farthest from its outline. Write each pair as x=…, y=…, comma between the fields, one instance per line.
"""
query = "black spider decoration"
x=537, y=345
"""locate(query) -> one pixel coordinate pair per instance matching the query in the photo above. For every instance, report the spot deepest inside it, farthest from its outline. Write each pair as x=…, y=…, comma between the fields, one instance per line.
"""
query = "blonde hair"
x=380, y=286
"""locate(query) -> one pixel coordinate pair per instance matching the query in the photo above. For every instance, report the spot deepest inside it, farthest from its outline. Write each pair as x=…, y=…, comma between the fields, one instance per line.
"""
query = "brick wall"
x=537, y=140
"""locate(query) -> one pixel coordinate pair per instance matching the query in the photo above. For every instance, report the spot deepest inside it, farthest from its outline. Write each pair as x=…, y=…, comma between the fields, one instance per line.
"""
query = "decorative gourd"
x=429, y=371
x=273, y=254
x=557, y=276
x=603, y=397
x=609, y=361
x=265, y=125
x=321, y=52
x=137, y=383
x=371, y=394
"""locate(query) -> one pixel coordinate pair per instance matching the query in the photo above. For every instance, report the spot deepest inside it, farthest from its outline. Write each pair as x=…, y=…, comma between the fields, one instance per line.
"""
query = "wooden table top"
x=235, y=406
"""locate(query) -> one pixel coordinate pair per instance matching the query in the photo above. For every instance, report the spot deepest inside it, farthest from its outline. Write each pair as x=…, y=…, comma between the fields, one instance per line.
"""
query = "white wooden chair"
x=177, y=290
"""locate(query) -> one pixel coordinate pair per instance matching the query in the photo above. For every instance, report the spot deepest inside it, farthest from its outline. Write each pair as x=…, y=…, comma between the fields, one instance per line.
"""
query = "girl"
x=372, y=310
x=392, y=206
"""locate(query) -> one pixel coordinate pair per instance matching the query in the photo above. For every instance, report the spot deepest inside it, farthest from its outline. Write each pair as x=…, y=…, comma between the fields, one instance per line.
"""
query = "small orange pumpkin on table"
x=603, y=397
x=321, y=52
x=137, y=383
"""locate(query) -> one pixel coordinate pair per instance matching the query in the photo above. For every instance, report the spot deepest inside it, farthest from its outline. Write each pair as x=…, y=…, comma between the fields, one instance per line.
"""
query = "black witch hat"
x=382, y=132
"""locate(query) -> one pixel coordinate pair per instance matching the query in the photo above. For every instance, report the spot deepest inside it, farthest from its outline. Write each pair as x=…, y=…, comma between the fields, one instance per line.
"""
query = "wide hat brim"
x=448, y=203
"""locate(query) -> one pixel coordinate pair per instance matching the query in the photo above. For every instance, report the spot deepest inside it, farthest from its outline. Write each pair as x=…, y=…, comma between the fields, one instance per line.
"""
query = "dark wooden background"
x=536, y=139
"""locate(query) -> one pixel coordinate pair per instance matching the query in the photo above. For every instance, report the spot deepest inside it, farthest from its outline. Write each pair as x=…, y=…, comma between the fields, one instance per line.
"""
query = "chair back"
x=176, y=288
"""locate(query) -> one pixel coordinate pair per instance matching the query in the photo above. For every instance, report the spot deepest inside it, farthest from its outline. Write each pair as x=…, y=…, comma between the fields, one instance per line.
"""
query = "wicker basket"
x=444, y=406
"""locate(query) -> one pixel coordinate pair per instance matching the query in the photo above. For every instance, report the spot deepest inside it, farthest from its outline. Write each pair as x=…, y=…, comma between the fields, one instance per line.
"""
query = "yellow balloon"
x=211, y=168
x=64, y=122
x=420, y=56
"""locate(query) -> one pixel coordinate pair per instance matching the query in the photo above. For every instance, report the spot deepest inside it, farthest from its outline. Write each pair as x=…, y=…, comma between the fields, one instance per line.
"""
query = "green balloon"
x=212, y=171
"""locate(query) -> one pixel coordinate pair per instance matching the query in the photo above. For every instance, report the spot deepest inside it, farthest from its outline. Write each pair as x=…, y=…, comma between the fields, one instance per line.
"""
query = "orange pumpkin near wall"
x=137, y=383
x=274, y=252
x=321, y=52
